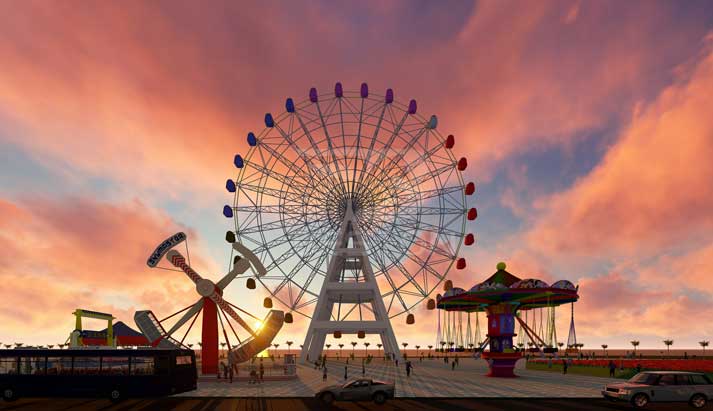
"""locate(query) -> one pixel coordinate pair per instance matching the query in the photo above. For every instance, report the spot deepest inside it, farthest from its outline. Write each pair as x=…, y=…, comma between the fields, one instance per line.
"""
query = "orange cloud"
x=59, y=255
x=651, y=190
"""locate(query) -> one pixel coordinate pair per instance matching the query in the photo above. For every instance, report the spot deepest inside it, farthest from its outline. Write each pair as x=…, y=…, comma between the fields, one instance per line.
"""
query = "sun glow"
x=257, y=325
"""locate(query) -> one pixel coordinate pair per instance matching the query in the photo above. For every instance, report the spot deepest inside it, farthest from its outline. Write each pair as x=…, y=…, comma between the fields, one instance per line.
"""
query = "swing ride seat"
x=261, y=340
x=153, y=330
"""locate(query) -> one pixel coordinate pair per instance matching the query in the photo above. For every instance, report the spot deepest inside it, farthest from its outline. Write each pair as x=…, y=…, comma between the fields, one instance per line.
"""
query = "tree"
x=190, y=345
x=443, y=343
x=668, y=343
x=430, y=347
x=289, y=344
x=605, y=346
x=51, y=346
x=354, y=344
x=417, y=348
x=327, y=345
x=378, y=346
x=560, y=344
x=635, y=343
x=18, y=345
x=366, y=347
x=703, y=344
x=340, y=349
x=470, y=346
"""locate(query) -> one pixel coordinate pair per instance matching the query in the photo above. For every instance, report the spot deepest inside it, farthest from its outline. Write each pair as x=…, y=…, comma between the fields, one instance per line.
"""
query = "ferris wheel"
x=359, y=151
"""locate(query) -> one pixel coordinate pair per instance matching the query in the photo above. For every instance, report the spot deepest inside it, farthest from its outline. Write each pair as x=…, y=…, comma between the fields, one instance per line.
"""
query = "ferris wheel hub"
x=205, y=287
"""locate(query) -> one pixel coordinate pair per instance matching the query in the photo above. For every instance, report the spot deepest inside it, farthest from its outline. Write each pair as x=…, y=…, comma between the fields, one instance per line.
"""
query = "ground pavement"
x=430, y=378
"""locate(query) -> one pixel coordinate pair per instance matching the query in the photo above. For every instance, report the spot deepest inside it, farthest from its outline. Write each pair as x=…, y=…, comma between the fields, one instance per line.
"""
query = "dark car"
x=358, y=390
x=662, y=386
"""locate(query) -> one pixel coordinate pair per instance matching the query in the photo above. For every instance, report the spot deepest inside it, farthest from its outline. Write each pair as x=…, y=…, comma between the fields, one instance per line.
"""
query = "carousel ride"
x=356, y=205
x=507, y=300
x=248, y=340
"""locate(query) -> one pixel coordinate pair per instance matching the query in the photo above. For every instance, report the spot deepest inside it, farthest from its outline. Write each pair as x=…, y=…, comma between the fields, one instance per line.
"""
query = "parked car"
x=662, y=386
x=358, y=390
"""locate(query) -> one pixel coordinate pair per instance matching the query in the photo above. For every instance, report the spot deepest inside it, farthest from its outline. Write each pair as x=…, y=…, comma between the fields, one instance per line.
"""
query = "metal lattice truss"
x=294, y=183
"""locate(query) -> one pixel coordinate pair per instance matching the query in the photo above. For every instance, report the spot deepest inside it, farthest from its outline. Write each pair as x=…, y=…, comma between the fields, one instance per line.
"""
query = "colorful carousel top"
x=503, y=287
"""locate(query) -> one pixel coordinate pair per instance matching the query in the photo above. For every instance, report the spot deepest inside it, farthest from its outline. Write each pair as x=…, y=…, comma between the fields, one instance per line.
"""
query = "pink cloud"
x=59, y=255
x=649, y=191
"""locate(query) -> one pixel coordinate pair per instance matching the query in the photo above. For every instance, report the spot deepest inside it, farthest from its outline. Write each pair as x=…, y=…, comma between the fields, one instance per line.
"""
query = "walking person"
x=453, y=365
x=564, y=366
x=262, y=373
x=408, y=368
x=324, y=373
x=230, y=370
x=612, y=368
x=345, y=373
x=363, y=368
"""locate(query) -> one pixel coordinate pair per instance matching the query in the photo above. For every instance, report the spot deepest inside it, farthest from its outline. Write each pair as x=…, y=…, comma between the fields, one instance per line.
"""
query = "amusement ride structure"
x=505, y=299
x=356, y=205
x=215, y=309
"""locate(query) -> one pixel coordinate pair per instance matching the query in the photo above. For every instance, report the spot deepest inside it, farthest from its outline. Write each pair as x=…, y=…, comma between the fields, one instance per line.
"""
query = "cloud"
x=59, y=255
x=650, y=190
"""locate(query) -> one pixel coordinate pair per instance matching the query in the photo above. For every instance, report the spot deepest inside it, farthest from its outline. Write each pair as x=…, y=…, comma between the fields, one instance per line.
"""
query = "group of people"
x=322, y=364
x=256, y=375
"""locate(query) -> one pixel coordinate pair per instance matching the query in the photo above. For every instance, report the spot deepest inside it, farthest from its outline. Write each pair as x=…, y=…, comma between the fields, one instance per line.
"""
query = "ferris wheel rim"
x=376, y=100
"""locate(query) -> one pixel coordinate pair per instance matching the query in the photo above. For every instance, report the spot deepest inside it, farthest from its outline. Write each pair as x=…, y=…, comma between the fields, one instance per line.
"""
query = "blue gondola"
x=227, y=211
x=252, y=140
x=238, y=161
x=290, y=105
x=269, y=122
x=338, y=91
x=230, y=186
x=433, y=122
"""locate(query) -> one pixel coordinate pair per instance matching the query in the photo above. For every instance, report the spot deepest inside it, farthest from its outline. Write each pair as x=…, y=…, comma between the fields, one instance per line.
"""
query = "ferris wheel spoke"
x=330, y=146
x=391, y=283
x=310, y=278
x=315, y=178
x=390, y=141
x=306, y=303
x=371, y=145
x=395, y=160
x=310, y=253
x=405, y=272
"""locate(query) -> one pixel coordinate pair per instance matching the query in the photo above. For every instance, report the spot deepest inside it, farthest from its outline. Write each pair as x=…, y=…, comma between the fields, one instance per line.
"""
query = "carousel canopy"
x=504, y=287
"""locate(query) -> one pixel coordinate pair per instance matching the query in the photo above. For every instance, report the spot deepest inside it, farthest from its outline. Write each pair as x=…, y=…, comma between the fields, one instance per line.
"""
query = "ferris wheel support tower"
x=349, y=254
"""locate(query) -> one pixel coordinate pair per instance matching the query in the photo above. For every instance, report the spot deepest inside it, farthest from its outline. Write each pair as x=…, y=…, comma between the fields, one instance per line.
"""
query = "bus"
x=88, y=372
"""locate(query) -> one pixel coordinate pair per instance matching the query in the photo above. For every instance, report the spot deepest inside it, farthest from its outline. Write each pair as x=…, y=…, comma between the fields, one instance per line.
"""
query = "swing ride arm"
x=530, y=333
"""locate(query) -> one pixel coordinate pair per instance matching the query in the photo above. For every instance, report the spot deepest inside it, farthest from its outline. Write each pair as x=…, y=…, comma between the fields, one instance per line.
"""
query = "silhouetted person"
x=564, y=366
x=345, y=373
x=262, y=372
x=408, y=368
x=324, y=374
x=453, y=365
x=612, y=368
x=638, y=368
x=363, y=369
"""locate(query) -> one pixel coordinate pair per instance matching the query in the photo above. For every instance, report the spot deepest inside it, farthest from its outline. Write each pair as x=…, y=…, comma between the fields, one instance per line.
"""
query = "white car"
x=662, y=386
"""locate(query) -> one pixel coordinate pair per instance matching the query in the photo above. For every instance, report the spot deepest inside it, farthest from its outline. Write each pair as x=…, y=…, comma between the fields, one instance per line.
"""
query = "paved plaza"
x=430, y=378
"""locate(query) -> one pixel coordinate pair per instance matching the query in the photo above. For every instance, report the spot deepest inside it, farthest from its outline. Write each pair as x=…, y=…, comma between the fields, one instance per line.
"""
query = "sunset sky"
x=588, y=129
